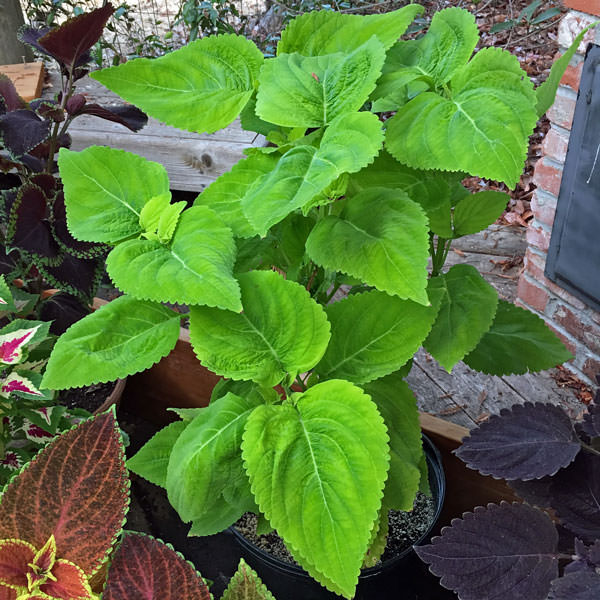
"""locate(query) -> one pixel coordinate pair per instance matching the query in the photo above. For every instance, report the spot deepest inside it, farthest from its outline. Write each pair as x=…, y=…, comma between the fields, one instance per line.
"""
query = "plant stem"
x=67, y=92
x=589, y=448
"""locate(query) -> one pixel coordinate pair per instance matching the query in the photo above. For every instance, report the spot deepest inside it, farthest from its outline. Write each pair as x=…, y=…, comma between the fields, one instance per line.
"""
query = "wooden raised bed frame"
x=179, y=380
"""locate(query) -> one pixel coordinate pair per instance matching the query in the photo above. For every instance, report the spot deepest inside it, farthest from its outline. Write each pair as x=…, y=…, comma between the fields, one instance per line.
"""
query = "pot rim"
x=437, y=481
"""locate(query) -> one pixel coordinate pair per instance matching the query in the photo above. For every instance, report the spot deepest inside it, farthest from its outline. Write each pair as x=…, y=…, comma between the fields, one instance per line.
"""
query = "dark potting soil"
x=90, y=398
x=405, y=528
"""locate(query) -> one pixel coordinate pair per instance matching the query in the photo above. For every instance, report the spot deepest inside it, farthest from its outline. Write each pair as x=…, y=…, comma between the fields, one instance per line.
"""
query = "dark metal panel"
x=574, y=253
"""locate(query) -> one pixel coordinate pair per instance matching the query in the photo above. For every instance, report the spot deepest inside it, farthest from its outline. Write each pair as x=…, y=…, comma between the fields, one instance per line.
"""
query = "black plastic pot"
x=403, y=577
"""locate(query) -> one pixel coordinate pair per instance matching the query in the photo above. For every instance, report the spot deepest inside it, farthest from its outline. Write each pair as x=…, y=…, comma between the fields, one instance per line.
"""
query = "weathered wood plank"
x=476, y=393
x=192, y=160
x=27, y=77
x=505, y=282
x=501, y=240
x=433, y=398
x=191, y=164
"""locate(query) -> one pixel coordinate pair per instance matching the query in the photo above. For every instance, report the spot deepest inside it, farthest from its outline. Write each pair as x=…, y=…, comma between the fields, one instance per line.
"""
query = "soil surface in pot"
x=90, y=398
x=405, y=529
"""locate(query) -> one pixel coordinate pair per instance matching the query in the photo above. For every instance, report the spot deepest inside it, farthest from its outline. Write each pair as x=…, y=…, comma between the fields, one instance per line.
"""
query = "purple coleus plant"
x=37, y=245
x=521, y=551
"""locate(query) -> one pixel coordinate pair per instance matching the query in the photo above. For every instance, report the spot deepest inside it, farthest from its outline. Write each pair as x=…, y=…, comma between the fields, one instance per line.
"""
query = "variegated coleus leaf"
x=75, y=489
x=12, y=343
x=15, y=382
x=144, y=568
x=30, y=573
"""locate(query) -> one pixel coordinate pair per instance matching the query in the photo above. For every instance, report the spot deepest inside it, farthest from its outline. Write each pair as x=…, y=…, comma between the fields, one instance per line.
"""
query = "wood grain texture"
x=192, y=160
x=27, y=77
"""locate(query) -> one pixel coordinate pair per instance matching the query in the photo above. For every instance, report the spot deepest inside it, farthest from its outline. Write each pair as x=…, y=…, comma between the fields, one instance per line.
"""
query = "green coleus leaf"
x=152, y=459
x=380, y=237
x=106, y=190
x=201, y=87
x=301, y=91
x=415, y=66
x=304, y=171
x=398, y=407
x=281, y=331
x=517, y=342
x=467, y=308
x=378, y=540
x=482, y=127
x=385, y=333
x=196, y=267
x=123, y=337
x=443, y=51
x=225, y=194
x=246, y=585
x=430, y=189
x=159, y=218
x=206, y=472
x=331, y=444
x=476, y=212
x=325, y=32
x=7, y=302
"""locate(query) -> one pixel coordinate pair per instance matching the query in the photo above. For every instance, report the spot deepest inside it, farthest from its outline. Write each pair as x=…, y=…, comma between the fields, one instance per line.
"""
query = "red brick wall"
x=576, y=324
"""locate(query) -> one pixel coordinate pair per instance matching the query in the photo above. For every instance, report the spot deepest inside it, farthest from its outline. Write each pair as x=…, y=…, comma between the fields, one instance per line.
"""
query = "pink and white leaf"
x=11, y=344
x=17, y=383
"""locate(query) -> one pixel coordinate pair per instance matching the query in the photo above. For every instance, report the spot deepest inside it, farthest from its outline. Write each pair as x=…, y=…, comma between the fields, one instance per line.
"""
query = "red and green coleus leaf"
x=76, y=489
x=144, y=568
x=32, y=574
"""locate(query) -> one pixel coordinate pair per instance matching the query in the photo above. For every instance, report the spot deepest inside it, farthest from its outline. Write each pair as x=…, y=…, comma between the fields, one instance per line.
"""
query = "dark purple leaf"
x=34, y=164
x=63, y=310
x=7, y=263
x=64, y=238
x=576, y=586
x=77, y=276
x=50, y=110
x=28, y=225
x=587, y=558
x=71, y=41
x=575, y=494
x=129, y=116
x=502, y=552
x=535, y=491
x=46, y=182
x=9, y=97
x=31, y=35
x=591, y=420
x=524, y=442
x=9, y=181
x=75, y=103
x=22, y=130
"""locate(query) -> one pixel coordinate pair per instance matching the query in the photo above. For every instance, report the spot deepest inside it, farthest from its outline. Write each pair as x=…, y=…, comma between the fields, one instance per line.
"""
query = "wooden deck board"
x=27, y=78
x=465, y=396
x=192, y=160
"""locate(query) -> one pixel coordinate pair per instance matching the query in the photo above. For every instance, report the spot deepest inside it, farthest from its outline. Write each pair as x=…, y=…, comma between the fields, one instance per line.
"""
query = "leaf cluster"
x=552, y=463
x=29, y=417
x=314, y=397
x=36, y=244
x=75, y=544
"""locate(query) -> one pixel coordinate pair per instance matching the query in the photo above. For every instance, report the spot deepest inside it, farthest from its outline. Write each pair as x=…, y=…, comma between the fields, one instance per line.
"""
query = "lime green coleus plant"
x=314, y=427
